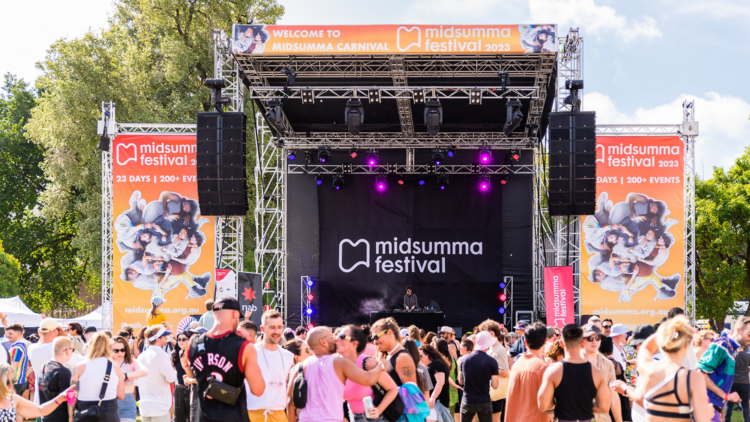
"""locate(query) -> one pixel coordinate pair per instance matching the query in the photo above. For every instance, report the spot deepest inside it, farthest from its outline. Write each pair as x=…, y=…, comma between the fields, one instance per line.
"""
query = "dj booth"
x=428, y=321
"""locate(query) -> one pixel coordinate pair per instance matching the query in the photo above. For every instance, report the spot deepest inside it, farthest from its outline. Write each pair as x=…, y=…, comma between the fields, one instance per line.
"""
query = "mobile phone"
x=613, y=384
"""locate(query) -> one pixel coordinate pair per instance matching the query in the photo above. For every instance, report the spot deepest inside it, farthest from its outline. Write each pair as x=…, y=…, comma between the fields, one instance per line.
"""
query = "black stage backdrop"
x=454, y=246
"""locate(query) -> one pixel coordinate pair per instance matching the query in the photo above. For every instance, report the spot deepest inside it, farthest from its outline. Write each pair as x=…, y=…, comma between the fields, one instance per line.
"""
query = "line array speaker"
x=222, y=185
x=572, y=163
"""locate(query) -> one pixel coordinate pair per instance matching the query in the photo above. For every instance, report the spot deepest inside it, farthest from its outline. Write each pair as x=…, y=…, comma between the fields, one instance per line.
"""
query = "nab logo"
x=407, y=34
x=366, y=262
x=125, y=155
x=600, y=154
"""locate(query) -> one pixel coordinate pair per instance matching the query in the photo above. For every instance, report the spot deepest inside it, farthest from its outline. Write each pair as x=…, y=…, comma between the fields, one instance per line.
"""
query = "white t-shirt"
x=274, y=365
x=39, y=354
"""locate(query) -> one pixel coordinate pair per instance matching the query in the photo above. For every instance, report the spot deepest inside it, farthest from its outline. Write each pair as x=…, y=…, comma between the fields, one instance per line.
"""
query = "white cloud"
x=723, y=121
x=716, y=9
x=593, y=19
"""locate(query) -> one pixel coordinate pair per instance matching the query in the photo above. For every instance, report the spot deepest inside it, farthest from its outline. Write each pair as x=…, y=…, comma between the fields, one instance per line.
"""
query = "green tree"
x=10, y=273
x=152, y=61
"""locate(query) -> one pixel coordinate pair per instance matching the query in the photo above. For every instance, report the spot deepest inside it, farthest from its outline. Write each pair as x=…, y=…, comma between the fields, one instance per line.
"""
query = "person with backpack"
x=15, y=354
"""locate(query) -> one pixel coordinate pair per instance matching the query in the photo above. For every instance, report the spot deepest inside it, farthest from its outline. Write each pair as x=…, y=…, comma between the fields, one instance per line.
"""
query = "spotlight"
x=475, y=97
x=484, y=183
x=504, y=177
x=485, y=156
x=451, y=151
x=308, y=96
x=504, y=79
x=513, y=116
x=503, y=297
x=418, y=97
x=502, y=284
x=318, y=180
x=338, y=182
x=354, y=116
x=433, y=116
x=310, y=297
x=310, y=282
x=309, y=311
x=372, y=158
x=438, y=156
x=421, y=182
x=275, y=117
x=353, y=153
x=374, y=95
x=216, y=85
x=501, y=310
x=291, y=155
x=380, y=183
x=324, y=154
x=310, y=326
x=442, y=181
x=513, y=155
x=400, y=179
x=291, y=76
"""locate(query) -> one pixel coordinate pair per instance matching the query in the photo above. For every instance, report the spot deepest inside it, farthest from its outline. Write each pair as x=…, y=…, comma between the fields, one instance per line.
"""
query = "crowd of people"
x=232, y=370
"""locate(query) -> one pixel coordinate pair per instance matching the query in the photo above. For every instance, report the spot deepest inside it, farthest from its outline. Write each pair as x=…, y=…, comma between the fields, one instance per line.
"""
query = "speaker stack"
x=572, y=163
x=222, y=184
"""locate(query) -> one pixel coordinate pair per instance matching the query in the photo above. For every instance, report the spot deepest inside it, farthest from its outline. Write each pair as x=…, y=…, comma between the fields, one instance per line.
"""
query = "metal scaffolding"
x=108, y=130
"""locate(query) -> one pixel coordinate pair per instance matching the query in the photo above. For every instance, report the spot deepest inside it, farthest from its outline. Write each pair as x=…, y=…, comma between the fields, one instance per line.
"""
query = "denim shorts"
x=126, y=408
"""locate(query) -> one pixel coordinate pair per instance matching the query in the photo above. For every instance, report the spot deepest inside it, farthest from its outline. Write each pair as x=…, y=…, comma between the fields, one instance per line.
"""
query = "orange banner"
x=632, y=252
x=163, y=246
x=393, y=39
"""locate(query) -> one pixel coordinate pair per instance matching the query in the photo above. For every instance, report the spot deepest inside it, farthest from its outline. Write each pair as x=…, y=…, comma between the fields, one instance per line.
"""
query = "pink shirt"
x=325, y=391
x=354, y=393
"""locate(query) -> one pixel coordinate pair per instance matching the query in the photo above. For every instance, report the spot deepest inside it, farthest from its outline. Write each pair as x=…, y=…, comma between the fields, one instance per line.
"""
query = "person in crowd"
x=223, y=353
x=55, y=378
x=154, y=389
x=41, y=352
x=350, y=344
x=288, y=335
x=19, y=355
x=207, y=319
x=701, y=340
x=606, y=348
x=300, y=333
x=592, y=339
x=90, y=375
x=640, y=335
x=449, y=335
x=275, y=363
x=551, y=338
x=442, y=347
x=607, y=327
x=414, y=334
x=14, y=407
x=439, y=399
x=595, y=320
x=667, y=389
x=182, y=384
x=248, y=330
x=429, y=337
x=299, y=349
x=690, y=360
x=467, y=346
x=519, y=345
x=579, y=389
x=156, y=316
x=526, y=378
x=741, y=384
x=326, y=375
x=88, y=333
x=410, y=299
x=140, y=342
x=619, y=336
x=718, y=364
x=480, y=373
x=75, y=332
x=497, y=351
x=131, y=370
x=556, y=352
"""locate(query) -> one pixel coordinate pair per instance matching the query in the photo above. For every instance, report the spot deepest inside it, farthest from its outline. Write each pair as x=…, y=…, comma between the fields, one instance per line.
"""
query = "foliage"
x=10, y=272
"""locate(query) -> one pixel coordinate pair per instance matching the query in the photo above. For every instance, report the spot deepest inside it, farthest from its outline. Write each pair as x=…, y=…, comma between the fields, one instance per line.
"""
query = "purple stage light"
x=437, y=163
x=483, y=186
x=322, y=159
x=484, y=156
x=421, y=183
x=380, y=183
x=381, y=186
x=338, y=187
x=319, y=182
x=371, y=162
x=442, y=187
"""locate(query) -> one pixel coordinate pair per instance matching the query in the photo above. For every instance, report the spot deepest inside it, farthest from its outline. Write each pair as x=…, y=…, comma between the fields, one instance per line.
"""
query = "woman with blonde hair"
x=90, y=377
x=14, y=407
x=701, y=340
x=666, y=389
x=414, y=334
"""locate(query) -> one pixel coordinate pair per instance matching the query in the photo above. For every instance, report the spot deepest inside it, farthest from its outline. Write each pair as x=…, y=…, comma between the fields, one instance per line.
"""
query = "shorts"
x=126, y=408
x=273, y=416
x=498, y=406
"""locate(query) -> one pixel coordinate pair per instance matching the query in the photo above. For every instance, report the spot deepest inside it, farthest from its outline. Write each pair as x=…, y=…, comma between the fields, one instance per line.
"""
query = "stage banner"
x=163, y=247
x=632, y=251
x=250, y=286
x=226, y=283
x=558, y=296
x=390, y=39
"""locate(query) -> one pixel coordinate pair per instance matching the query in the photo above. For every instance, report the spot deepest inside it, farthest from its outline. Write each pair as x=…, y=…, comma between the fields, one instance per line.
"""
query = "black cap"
x=89, y=330
x=227, y=303
x=641, y=333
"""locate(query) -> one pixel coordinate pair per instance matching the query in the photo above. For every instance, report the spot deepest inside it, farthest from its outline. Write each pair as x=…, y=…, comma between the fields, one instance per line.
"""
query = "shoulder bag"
x=299, y=392
x=395, y=409
x=215, y=389
x=93, y=413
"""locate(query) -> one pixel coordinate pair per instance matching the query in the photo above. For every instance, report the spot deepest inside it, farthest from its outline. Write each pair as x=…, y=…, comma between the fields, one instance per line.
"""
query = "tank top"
x=354, y=393
x=92, y=379
x=127, y=368
x=220, y=361
x=9, y=414
x=576, y=392
x=392, y=367
x=325, y=391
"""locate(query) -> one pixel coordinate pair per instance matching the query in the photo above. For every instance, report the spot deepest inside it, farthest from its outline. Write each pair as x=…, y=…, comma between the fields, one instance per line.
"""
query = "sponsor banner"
x=632, y=251
x=558, y=296
x=251, y=294
x=390, y=39
x=226, y=283
x=163, y=246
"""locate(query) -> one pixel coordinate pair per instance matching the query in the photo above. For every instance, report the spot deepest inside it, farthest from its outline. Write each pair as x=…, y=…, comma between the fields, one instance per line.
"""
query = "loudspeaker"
x=222, y=185
x=572, y=163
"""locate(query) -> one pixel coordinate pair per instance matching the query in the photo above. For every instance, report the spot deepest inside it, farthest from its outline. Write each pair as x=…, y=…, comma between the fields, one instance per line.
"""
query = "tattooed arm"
x=406, y=369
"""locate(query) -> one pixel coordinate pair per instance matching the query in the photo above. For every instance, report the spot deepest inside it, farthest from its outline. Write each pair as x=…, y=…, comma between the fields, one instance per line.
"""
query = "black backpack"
x=299, y=392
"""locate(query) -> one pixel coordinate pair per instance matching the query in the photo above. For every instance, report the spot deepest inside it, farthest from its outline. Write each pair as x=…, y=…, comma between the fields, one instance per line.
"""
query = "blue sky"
x=641, y=58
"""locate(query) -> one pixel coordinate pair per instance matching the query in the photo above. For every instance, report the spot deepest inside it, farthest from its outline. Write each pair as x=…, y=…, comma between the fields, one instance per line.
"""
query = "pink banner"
x=558, y=296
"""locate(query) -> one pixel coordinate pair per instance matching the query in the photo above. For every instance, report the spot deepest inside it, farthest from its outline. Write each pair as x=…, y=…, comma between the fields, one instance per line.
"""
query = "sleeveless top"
x=220, y=360
x=325, y=391
x=92, y=379
x=392, y=367
x=683, y=409
x=576, y=392
x=127, y=368
x=9, y=414
x=354, y=393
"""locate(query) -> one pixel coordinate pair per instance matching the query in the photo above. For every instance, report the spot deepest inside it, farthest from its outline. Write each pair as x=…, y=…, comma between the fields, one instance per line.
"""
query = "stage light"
x=400, y=179
x=484, y=183
x=418, y=97
x=309, y=159
x=310, y=282
x=515, y=154
x=338, y=181
x=372, y=158
x=380, y=183
x=438, y=156
x=353, y=152
x=501, y=310
x=503, y=297
x=275, y=117
x=291, y=155
x=291, y=76
x=421, y=182
x=308, y=96
x=485, y=156
x=504, y=177
x=513, y=116
x=309, y=311
x=451, y=152
x=310, y=297
x=324, y=154
x=475, y=97
x=502, y=285
x=318, y=180
x=504, y=79
x=442, y=181
x=310, y=326
x=354, y=116
x=433, y=116
x=374, y=95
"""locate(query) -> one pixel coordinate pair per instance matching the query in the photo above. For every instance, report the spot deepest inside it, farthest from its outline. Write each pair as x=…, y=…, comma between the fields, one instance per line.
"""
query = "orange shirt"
x=525, y=379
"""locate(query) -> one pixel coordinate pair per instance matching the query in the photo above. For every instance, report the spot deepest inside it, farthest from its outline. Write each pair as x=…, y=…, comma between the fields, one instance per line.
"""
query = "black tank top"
x=575, y=395
x=220, y=361
x=392, y=367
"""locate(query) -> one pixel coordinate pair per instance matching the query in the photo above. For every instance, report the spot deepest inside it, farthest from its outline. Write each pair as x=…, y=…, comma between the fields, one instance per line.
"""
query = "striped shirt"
x=18, y=353
x=410, y=300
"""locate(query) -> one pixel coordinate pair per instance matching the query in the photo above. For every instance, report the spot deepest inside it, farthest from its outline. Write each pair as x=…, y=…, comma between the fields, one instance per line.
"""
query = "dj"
x=410, y=299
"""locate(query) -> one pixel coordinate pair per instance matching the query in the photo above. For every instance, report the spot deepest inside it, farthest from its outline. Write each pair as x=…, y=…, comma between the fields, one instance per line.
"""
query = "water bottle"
x=367, y=401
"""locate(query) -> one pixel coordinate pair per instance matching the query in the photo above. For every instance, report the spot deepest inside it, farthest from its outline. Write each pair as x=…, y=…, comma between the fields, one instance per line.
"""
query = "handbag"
x=395, y=409
x=501, y=391
x=299, y=393
x=221, y=392
x=93, y=413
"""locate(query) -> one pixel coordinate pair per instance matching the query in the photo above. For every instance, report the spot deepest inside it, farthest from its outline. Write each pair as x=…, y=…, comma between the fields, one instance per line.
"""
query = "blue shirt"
x=718, y=363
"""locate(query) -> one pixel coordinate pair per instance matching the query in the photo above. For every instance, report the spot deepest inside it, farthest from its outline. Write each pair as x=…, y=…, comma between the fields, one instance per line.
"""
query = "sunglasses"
x=606, y=327
x=343, y=336
x=378, y=335
x=118, y=350
x=182, y=340
x=593, y=338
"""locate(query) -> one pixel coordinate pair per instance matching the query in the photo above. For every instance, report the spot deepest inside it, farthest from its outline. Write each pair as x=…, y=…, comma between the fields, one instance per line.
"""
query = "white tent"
x=93, y=319
x=18, y=312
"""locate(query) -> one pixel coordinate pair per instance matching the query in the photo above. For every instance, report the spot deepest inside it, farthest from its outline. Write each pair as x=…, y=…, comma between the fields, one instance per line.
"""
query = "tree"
x=152, y=62
x=10, y=272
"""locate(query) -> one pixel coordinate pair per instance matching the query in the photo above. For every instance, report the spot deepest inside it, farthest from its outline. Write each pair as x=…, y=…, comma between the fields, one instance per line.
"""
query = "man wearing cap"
x=88, y=332
x=449, y=334
x=592, y=339
x=619, y=335
x=479, y=372
x=223, y=355
x=519, y=346
x=154, y=388
x=41, y=352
